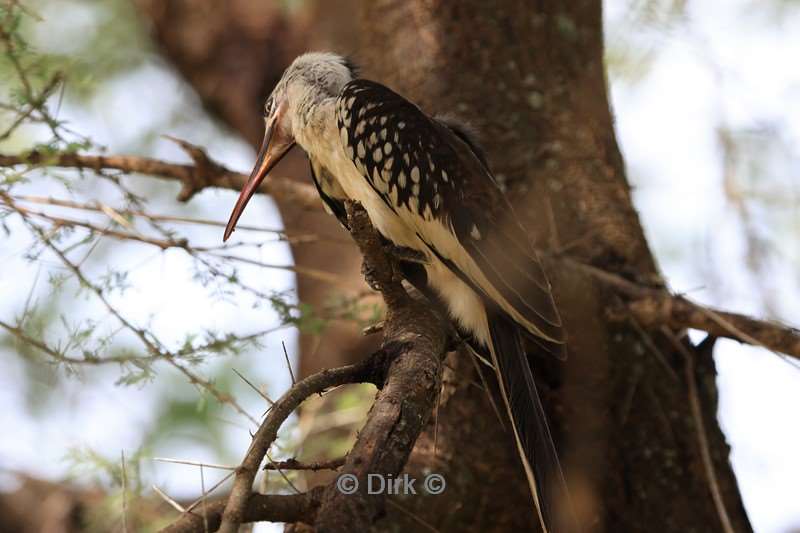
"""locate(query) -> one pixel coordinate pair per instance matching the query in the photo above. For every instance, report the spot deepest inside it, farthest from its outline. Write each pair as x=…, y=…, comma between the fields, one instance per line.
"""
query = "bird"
x=427, y=186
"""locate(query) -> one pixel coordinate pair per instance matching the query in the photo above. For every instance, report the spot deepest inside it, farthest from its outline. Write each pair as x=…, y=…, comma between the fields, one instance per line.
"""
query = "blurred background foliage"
x=83, y=75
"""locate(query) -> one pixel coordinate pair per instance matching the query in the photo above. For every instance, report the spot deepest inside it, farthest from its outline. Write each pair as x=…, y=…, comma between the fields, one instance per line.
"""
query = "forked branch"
x=407, y=370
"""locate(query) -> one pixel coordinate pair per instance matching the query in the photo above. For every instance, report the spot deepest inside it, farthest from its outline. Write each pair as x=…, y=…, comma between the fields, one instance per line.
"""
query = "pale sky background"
x=730, y=64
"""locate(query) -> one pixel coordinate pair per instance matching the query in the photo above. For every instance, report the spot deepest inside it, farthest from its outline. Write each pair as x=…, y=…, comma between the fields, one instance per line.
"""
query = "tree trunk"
x=530, y=77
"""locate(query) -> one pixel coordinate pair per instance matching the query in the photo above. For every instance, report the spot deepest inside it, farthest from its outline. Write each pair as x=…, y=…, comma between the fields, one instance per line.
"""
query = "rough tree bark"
x=530, y=77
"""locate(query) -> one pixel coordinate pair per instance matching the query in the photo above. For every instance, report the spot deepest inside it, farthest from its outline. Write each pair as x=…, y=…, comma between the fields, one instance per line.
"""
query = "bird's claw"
x=370, y=276
x=402, y=253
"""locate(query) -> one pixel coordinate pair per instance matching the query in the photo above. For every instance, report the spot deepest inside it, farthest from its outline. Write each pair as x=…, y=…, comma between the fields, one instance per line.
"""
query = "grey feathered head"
x=317, y=74
x=311, y=79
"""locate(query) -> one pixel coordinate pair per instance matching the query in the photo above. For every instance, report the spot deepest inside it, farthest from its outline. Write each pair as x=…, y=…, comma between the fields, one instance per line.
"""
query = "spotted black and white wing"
x=430, y=175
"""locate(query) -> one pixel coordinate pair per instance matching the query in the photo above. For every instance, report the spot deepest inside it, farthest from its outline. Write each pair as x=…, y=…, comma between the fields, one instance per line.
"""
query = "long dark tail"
x=532, y=434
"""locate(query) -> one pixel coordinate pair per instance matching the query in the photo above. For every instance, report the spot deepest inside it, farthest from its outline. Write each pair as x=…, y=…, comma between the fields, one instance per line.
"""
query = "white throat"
x=314, y=127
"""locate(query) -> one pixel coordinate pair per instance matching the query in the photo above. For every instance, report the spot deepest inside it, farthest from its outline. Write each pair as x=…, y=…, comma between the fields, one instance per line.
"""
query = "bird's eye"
x=268, y=108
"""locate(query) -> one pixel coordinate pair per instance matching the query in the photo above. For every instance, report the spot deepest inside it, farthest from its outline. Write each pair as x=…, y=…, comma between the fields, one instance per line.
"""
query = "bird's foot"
x=402, y=253
x=370, y=276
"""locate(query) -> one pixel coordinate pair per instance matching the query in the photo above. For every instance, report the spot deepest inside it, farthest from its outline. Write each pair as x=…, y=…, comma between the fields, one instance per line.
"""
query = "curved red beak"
x=275, y=145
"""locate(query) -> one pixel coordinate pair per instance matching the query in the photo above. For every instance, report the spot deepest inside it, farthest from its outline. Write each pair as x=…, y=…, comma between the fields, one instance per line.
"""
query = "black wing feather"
x=530, y=423
x=335, y=205
x=453, y=184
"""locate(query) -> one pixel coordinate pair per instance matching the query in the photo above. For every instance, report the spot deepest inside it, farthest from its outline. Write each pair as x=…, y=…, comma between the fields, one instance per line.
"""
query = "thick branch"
x=405, y=402
x=202, y=174
x=678, y=312
x=258, y=508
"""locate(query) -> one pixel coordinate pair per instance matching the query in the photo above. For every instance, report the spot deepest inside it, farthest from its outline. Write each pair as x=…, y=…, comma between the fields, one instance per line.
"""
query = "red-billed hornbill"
x=426, y=186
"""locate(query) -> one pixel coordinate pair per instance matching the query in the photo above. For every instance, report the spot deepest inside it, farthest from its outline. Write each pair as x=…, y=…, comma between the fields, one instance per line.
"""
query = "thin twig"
x=702, y=438
x=169, y=500
x=122, y=235
x=288, y=363
x=208, y=493
x=203, y=495
x=627, y=401
x=392, y=503
x=486, y=390
x=193, y=463
x=165, y=244
x=436, y=419
x=124, y=493
x=280, y=471
x=259, y=391
x=27, y=307
x=47, y=200
x=62, y=358
x=654, y=349
x=313, y=273
x=294, y=464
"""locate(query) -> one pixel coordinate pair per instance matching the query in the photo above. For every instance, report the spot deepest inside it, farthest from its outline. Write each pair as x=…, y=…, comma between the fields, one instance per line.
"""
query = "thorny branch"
x=154, y=347
x=294, y=464
x=407, y=370
x=59, y=355
x=194, y=178
x=655, y=306
x=122, y=216
x=268, y=432
x=161, y=243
